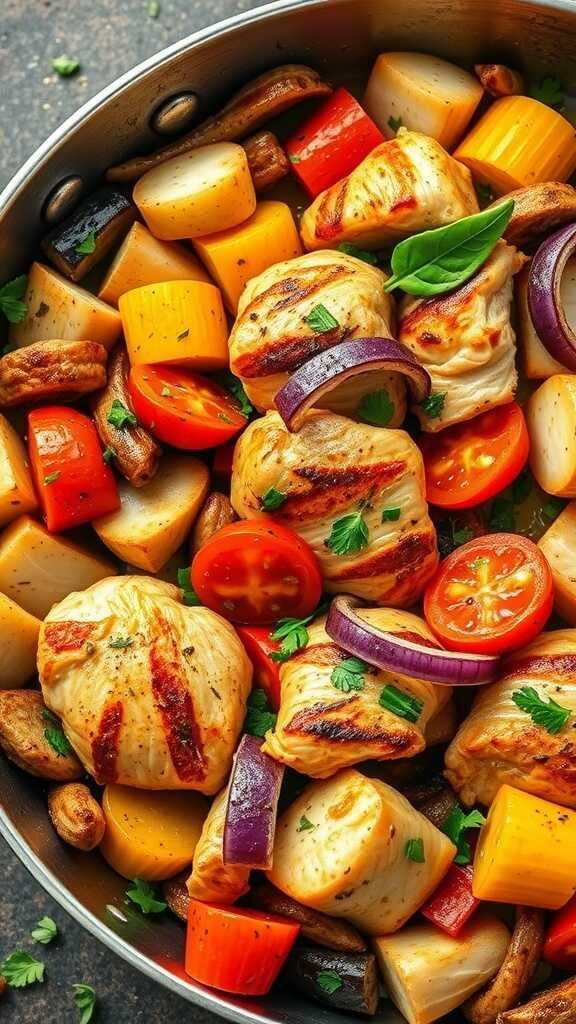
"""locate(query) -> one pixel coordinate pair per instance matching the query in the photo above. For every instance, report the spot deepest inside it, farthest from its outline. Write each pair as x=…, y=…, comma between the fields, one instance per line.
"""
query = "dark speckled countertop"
x=107, y=37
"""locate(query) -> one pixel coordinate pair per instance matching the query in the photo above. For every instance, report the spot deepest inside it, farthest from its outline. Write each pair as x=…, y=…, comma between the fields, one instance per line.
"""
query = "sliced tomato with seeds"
x=491, y=595
x=471, y=462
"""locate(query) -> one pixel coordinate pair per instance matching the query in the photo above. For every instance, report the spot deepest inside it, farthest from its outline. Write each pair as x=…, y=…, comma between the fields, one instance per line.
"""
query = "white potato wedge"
x=143, y=259
x=153, y=521
x=18, y=644
x=58, y=308
x=16, y=488
x=38, y=568
x=209, y=189
x=551, y=419
x=428, y=973
x=537, y=362
x=423, y=93
x=558, y=545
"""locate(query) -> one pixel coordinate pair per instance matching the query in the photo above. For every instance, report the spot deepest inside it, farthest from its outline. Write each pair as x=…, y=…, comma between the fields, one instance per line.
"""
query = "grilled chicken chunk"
x=322, y=728
x=334, y=468
x=272, y=336
x=211, y=880
x=151, y=693
x=466, y=341
x=51, y=370
x=499, y=743
x=406, y=185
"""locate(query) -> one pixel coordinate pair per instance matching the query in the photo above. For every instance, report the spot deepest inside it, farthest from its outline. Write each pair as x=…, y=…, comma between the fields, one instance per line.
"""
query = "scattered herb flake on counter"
x=272, y=499
x=547, y=713
x=120, y=642
x=391, y=515
x=65, y=66
x=305, y=825
x=348, y=535
x=153, y=9
x=189, y=595
x=21, y=969
x=321, y=320
x=108, y=454
x=143, y=894
x=52, y=477
x=88, y=245
x=45, y=931
x=400, y=703
x=55, y=735
x=11, y=305
x=455, y=826
x=121, y=417
x=234, y=385
x=394, y=123
x=329, y=981
x=259, y=717
x=548, y=90
x=433, y=405
x=359, y=254
x=414, y=850
x=349, y=674
x=85, y=1000
x=377, y=408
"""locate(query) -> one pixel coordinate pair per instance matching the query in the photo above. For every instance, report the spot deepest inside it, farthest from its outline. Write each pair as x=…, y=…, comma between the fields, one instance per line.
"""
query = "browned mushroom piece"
x=554, y=1006
x=267, y=160
x=136, y=454
x=257, y=102
x=515, y=974
x=176, y=894
x=77, y=817
x=330, y=932
x=538, y=210
x=51, y=369
x=499, y=80
x=215, y=513
x=438, y=807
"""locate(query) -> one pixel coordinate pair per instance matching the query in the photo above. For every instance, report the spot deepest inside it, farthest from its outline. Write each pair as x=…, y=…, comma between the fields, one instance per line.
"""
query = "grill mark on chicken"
x=542, y=665
x=332, y=488
x=175, y=706
x=105, y=744
x=322, y=654
x=331, y=211
x=399, y=560
x=310, y=722
x=67, y=636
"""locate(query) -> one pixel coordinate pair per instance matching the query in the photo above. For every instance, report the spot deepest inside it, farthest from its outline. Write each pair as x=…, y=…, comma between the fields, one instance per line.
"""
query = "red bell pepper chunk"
x=332, y=142
x=453, y=903
x=560, y=942
x=259, y=647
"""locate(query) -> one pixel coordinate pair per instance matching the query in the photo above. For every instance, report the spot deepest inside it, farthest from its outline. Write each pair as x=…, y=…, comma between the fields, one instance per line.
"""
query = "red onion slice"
x=252, y=806
x=545, y=300
x=321, y=374
x=395, y=654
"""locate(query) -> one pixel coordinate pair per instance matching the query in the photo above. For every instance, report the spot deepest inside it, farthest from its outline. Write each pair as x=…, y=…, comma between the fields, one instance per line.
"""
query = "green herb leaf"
x=65, y=66
x=45, y=931
x=11, y=295
x=484, y=192
x=522, y=487
x=121, y=417
x=548, y=90
x=461, y=536
x=232, y=384
x=401, y=703
x=349, y=674
x=293, y=634
x=294, y=158
x=272, y=499
x=153, y=8
x=433, y=406
x=108, y=454
x=321, y=320
x=55, y=735
x=144, y=896
x=120, y=642
x=552, y=509
x=547, y=713
x=394, y=123
x=85, y=999
x=329, y=981
x=391, y=515
x=376, y=408
x=52, y=477
x=348, y=535
x=21, y=969
x=501, y=518
x=189, y=595
x=259, y=716
x=477, y=564
x=414, y=850
x=359, y=254
x=166, y=393
x=456, y=824
x=440, y=260
x=304, y=825
x=88, y=245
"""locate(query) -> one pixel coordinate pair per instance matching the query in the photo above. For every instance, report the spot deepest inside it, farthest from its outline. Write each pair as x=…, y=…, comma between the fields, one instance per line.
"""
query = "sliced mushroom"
x=438, y=807
x=267, y=160
x=51, y=369
x=555, y=1006
x=330, y=932
x=136, y=453
x=257, y=102
x=538, y=210
x=499, y=80
x=175, y=892
x=25, y=730
x=76, y=815
x=215, y=513
x=516, y=972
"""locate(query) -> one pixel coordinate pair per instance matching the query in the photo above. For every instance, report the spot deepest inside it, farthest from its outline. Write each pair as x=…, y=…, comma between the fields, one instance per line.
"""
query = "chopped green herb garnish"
x=45, y=931
x=552, y=508
x=548, y=90
x=65, y=66
x=272, y=499
x=52, y=477
x=391, y=515
x=349, y=674
x=321, y=320
x=11, y=305
x=394, y=123
x=55, y=735
x=259, y=716
x=21, y=969
x=85, y=1000
x=108, y=454
x=433, y=405
x=547, y=713
x=121, y=417
x=455, y=826
x=144, y=896
x=189, y=595
x=153, y=8
x=120, y=642
x=294, y=158
x=166, y=393
x=501, y=517
x=401, y=703
x=88, y=245
x=329, y=981
x=304, y=825
x=348, y=535
x=376, y=408
x=236, y=388
x=293, y=636
x=359, y=254
x=414, y=850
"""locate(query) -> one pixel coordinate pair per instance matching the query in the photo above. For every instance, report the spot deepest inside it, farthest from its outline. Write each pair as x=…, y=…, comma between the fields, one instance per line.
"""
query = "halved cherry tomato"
x=257, y=571
x=259, y=646
x=491, y=595
x=235, y=949
x=471, y=462
x=73, y=482
x=183, y=409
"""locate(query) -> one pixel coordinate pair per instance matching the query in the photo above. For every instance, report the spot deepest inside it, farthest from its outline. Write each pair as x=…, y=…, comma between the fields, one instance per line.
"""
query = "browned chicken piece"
x=320, y=728
x=272, y=336
x=556, y=1005
x=499, y=743
x=406, y=185
x=333, y=468
x=136, y=454
x=538, y=210
x=211, y=880
x=466, y=341
x=51, y=369
x=252, y=106
x=267, y=160
x=215, y=513
x=25, y=728
x=499, y=80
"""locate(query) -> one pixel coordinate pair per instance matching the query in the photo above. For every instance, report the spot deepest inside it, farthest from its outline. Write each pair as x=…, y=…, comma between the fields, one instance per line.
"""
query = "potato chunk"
x=18, y=644
x=16, y=488
x=551, y=419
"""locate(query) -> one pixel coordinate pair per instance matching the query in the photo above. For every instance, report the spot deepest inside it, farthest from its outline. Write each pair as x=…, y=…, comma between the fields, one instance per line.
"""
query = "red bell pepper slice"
x=332, y=142
x=259, y=647
x=453, y=903
x=560, y=942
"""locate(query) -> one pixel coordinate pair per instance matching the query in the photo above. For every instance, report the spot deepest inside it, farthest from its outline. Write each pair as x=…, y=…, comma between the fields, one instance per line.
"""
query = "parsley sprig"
x=85, y=1000
x=547, y=713
x=88, y=245
x=259, y=716
x=55, y=735
x=45, y=931
x=376, y=408
x=329, y=981
x=234, y=385
x=456, y=824
x=293, y=635
x=21, y=969
x=349, y=674
x=348, y=534
x=143, y=894
x=433, y=405
x=11, y=296
x=189, y=595
x=121, y=417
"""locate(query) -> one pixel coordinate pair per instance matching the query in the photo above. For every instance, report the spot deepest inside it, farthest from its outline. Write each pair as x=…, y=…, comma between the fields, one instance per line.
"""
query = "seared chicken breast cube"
x=211, y=880
x=466, y=342
x=406, y=185
x=335, y=468
x=324, y=724
x=272, y=335
x=499, y=743
x=151, y=693
x=341, y=848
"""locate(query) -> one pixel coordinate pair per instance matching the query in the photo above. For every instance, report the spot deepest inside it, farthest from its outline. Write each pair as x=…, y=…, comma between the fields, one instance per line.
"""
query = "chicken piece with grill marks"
x=334, y=468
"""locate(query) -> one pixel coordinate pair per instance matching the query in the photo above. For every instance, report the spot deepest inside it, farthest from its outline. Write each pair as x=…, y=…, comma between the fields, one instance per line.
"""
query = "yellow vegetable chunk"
x=182, y=323
x=518, y=142
x=18, y=644
x=38, y=568
x=428, y=973
x=17, y=493
x=537, y=362
x=423, y=93
x=143, y=259
x=558, y=545
x=525, y=852
x=57, y=308
x=151, y=835
x=551, y=420
x=153, y=521
x=209, y=189
x=233, y=257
